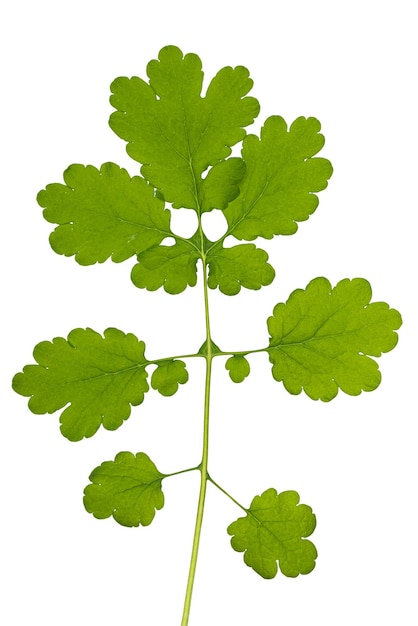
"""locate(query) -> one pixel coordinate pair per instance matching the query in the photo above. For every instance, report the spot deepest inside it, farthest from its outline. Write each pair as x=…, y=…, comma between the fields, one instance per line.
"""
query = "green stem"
x=189, y=469
x=203, y=464
x=227, y=494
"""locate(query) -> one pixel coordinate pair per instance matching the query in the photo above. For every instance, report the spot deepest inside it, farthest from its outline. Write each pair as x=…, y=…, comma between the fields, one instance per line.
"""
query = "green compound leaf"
x=239, y=266
x=103, y=213
x=321, y=337
x=238, y=368
x=168, y=376
x=128, y=488
x=175, y=132
x=281, y=176
x=171, y=267
x=101, y=377
x=273, y=531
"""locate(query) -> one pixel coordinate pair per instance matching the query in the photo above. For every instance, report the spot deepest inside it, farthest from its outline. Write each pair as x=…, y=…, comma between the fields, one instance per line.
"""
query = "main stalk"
x=204, y=462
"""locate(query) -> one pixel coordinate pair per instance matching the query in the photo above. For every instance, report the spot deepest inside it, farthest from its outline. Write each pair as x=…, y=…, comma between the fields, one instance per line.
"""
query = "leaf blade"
x=274, y=531
x=128, y=489
x=240, y=266
x=168, y=375
x=322, y=338
x=238, y=368
x=170, y=267
x=174, y=132
x=103, y=214
x=99, y=378
x=277, y=190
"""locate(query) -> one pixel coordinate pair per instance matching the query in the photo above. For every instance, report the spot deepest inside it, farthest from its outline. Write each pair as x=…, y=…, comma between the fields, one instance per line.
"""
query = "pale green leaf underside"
x=103, y=213
x=240, y=266
x=100, y=377
x=168, y=376
x=128, y=488
x=322, y=338
x=274, y=530
x=174, y=131
x=238, y=368
x=281, y=176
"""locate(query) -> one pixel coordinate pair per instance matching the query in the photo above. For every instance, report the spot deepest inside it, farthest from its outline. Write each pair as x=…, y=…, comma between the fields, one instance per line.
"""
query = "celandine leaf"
x=175, y=132
x=281, y=176
x=99, y=377
x=274, y=530
x=239, y=266
x=321, y=337
x=128, y=488
x=168, y=376
x=103, y=213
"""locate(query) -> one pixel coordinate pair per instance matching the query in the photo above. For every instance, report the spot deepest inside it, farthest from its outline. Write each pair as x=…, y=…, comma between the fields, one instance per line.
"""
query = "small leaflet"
x=240, y=266
x=238, y=368
x=170, y=267
x=128, y=489
x=168, y=376
x=274, y=531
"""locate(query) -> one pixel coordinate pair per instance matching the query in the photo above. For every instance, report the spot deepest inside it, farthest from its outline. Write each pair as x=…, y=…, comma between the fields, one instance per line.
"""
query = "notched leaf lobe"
x=322, y=338
x=274, y=531
x=168, y=376
x=281, y=178
x=238, y=368
x=103, y=214
x=128, y=489
x=98, y=377
x=175, y=132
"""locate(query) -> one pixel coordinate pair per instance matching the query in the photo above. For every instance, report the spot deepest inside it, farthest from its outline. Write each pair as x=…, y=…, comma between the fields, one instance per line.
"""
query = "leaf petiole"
x=227, y=494
x=189, y=469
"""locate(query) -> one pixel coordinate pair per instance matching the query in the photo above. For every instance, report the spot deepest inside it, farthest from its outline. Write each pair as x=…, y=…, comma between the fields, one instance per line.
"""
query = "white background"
x=353, y=66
